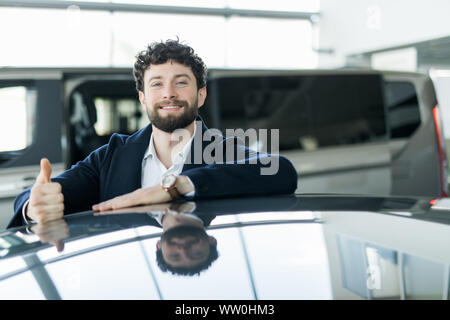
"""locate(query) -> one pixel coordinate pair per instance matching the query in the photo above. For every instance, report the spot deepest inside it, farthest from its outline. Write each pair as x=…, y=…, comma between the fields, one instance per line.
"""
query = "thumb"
x=59, y=245
x=46, y=171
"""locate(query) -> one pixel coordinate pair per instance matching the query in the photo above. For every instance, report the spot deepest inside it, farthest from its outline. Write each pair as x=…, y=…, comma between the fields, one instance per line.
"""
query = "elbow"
x=288, y=174
x=293, y=179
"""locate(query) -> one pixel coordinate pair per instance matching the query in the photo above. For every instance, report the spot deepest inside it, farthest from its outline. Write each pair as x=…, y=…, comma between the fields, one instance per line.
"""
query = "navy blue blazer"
x=115, y=169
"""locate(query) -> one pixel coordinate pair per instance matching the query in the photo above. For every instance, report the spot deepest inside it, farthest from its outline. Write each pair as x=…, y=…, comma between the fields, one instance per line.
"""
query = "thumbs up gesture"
x=46, y=198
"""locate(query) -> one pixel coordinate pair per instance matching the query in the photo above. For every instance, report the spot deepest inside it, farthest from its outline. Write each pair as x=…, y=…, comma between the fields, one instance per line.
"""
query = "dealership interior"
x=354, y=94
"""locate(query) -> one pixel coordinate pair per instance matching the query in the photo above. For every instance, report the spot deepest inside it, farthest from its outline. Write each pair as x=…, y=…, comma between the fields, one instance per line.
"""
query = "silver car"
x=346, y=131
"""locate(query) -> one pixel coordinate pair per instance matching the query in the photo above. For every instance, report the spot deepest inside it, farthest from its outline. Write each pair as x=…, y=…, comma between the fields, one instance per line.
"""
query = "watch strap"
x=173, y=192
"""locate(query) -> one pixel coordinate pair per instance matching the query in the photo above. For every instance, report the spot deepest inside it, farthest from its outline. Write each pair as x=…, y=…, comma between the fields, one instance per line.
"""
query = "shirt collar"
x=151, y=152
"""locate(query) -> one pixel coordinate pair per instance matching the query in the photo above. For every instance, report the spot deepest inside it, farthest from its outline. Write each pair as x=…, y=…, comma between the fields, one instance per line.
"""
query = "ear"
x=201, y=96
x=212, y=240
x=158, y=245
x=142, y=98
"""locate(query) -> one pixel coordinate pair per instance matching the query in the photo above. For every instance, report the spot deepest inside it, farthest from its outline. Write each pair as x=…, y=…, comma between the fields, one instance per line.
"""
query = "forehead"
x=169, y=69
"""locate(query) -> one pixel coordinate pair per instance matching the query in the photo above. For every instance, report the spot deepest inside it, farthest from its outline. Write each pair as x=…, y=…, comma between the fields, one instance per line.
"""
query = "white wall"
x=355, y=26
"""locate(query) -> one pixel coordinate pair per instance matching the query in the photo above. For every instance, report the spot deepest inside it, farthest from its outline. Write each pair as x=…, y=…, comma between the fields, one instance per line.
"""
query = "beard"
x=171, y=122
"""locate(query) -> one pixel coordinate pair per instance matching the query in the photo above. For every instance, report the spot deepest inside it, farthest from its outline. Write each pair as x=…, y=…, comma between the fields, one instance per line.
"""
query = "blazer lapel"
x=195, y=156
x=126, y=164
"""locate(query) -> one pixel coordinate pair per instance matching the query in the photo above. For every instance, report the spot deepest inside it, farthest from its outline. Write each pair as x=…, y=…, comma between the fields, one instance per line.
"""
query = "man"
x=151, y=166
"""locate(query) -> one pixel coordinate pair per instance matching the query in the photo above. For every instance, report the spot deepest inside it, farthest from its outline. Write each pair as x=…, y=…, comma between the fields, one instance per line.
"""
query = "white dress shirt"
x=153, y=170
x=188, y=208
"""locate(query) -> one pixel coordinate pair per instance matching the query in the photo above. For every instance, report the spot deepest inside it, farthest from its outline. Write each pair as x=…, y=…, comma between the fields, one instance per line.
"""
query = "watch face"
x=168, y=181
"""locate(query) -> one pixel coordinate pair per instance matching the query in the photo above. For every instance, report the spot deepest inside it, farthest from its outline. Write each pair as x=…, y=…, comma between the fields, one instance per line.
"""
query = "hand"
x=138, y=197
x=151, y=208
x=53, y=232
x=144, y=196
x=46, y=198
x=186, y=207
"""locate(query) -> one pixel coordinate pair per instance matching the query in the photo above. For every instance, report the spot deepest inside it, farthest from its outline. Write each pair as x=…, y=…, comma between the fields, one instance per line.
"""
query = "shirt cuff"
x=24, y=210
x=192, y=193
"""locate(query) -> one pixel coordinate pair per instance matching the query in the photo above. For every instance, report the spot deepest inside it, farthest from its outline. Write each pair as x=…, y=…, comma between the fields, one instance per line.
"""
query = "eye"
x=155, y=84
x=181, y=83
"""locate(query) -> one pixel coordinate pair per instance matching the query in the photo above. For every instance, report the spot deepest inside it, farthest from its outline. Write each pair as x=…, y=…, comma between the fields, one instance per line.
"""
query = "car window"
x=311, y=112
x=17, y=117
x=99, y=108
x=118, y=115
x=403, y=108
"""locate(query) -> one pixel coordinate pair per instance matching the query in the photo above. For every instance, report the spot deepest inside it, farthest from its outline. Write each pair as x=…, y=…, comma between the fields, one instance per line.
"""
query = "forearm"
x=184, y=186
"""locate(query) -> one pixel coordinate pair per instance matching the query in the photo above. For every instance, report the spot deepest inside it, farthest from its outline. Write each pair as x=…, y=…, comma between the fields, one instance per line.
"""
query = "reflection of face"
x=185, y=246
x=170, y=96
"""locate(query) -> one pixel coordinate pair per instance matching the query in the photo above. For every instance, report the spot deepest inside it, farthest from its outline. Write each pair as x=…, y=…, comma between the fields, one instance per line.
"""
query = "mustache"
x=182, y=103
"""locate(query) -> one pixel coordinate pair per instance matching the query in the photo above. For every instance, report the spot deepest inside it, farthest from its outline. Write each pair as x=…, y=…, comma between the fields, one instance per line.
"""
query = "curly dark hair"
x=161, y=52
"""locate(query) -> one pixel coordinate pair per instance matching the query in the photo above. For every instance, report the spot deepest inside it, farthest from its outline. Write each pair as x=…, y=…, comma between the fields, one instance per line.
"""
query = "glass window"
x=279, y=43
x=17, y=109
x=382, y=272
x=423, y=278
x=118, y=115
x=310, y=111
x=368, y=270
x=75, y=37
x=100, y=108
x=134, y=31
x=403, y=108
x=57, y=37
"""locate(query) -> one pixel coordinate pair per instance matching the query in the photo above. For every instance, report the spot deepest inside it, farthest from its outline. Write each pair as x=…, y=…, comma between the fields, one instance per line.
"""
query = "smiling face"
x=170, y=96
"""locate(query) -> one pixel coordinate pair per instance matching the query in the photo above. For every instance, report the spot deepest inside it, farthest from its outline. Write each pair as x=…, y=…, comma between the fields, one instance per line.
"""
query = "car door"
x=30, y=129
x=331, y=125
x=414, y=136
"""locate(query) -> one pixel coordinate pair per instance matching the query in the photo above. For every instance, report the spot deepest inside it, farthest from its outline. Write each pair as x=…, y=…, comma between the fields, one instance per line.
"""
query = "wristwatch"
x=168, y=184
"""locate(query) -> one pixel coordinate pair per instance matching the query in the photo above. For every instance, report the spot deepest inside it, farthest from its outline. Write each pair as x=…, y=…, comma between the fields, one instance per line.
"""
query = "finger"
x=59, y=245
x=54, y=209
x=103, y=206
x=107, y=205
x=48, y=208
x=51, y=231
x=47, y=199
x=49, y=217
x=124, y=201
x=41, y=190
x=46, y=213
x=46, y=171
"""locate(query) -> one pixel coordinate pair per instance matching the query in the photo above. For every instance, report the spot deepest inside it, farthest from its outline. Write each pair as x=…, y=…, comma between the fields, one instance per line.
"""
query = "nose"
x=169, y=92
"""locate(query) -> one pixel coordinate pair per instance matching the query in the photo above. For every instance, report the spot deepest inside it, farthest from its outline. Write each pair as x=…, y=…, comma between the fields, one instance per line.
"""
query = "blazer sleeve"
x=80, y=187
x=254, y=174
